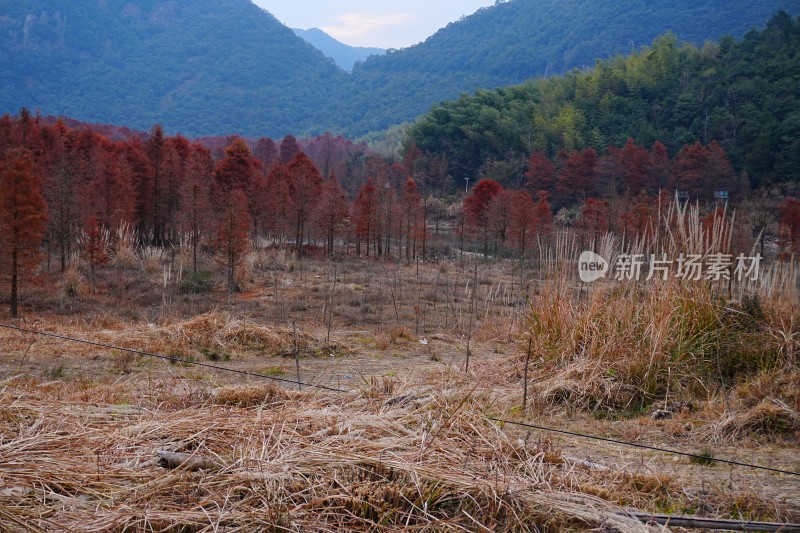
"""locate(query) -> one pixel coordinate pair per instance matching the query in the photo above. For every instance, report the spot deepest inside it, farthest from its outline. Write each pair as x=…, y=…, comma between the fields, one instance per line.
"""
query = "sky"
x=380, y=23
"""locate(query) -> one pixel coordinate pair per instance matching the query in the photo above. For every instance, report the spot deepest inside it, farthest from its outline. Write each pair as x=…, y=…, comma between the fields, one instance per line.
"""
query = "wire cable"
x=334, y=389
x=644, y=446
x=169, y=358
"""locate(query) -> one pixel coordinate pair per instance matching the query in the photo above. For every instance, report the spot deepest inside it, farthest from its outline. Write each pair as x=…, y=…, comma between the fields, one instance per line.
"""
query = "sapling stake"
x=525, y=378
x=296, y=354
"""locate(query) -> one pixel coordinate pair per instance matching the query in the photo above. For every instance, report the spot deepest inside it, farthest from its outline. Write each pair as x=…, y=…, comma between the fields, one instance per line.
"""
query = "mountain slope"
x=739, y=93
x=197, y=66
x=344, y=55
x=521, y=39
x=212, y=67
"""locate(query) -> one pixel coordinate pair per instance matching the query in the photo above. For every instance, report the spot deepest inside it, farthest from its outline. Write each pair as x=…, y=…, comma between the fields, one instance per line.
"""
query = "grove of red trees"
x=66, y=191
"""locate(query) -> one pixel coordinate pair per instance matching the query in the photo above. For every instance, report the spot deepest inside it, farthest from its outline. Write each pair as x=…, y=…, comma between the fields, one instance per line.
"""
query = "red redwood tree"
x=500, y=216
x=476, y=210
x=541, y=173
x=305, y=186
x=194, y=216
x=593, y=220
x=365, y=212
x=288, y=149
x=577, y=178
x=332, y=212
x=790, y=226
x=111, y=191
x=278, y=203
x=543, y=217
x=95, y=248
x=22, y=218
x=659, y=167
x=521, y=227
x=412, y=215
x=232, y=242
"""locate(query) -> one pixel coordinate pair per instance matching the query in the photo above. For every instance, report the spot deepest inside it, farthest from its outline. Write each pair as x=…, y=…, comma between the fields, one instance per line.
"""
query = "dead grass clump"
x=151, y=258
x=782, y=384
x=400, y=333
x=769, y=420
x=626, y=345
x=124, y=248
x=250, y=395
x=382, y=342
x=72, y=284
x=215, y=332
x=586, y=386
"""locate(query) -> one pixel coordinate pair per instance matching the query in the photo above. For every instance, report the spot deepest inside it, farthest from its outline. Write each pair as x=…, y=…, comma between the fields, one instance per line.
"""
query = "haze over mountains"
x=209, y=67
x=344, y=55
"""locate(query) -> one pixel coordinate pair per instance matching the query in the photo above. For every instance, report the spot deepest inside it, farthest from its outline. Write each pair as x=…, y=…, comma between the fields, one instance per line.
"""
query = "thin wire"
x=170, y=358
x=646, y=447
x=334, y=389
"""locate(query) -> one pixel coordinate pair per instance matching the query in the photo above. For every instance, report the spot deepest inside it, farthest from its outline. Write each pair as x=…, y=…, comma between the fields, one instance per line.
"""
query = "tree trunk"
x=14, y=279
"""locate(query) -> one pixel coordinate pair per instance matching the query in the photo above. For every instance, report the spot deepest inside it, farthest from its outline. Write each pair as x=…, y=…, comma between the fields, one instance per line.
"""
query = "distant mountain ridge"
x=344, y=55
x=213, y=67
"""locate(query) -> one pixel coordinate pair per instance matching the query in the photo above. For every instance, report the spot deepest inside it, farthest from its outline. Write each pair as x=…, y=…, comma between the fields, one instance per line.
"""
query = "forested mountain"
x=521, y=39
x=213, y=67
x=742, y=94
x=344, y=55
x=195, y=66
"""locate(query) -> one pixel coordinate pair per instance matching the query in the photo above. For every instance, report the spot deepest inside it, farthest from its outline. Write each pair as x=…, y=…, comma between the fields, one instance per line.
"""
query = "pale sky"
x=385, y=24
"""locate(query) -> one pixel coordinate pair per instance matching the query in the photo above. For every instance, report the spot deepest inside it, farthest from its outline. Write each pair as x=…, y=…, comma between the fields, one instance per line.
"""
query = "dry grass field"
x=427, y=357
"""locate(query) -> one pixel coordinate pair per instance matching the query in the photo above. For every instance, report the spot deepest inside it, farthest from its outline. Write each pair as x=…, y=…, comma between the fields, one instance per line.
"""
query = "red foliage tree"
x=194, y=216
x=541, y=173
x=141, y=177
x=387, y=205
x=61, y=194
x=176, y=160
x=790, y=226
x=365, y=213
x=234, y=172
x=659, y=166
x=634, y=164
x=111, y=192
x=278, y=203
x=577, y=178
x=95, y=248
x=305, y=187
x=232, y=242
x=23, y=215
x=266, y=152
x=412, y=215
x=500, y=216
x=543, y=217
x=288, y=149
x=719, y=171
x=689, y=170
x=332, y=212
x=476, y=210
x=521, y=227
x=637, y=220
x=593, y=221
x=155, y=149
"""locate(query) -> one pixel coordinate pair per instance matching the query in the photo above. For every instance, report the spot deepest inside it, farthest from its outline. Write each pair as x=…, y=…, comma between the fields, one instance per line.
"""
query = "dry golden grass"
x=769, y=420
x=250, y=395
x=295, y=461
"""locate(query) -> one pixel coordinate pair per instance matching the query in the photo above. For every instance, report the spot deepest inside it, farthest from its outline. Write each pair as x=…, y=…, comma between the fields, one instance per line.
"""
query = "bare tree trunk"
x=14, y=280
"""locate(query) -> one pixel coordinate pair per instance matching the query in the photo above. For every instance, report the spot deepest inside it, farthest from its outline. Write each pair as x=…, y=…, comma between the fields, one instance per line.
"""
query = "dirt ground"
x=400, y=333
